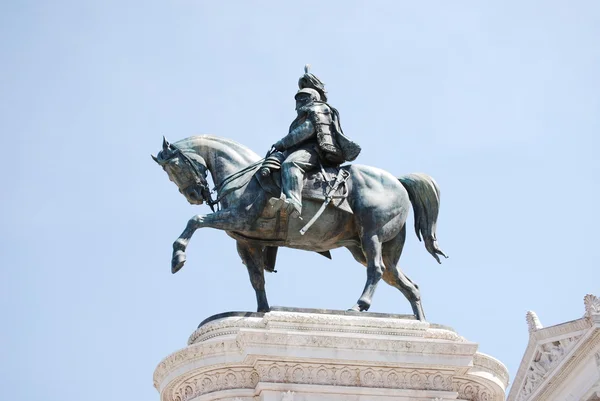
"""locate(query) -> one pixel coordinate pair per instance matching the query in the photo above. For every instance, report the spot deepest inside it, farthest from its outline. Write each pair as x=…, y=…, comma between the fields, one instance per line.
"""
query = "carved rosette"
x=290, y=353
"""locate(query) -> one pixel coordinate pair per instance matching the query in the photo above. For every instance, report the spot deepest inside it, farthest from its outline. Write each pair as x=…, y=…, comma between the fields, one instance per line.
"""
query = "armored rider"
x=314, y=137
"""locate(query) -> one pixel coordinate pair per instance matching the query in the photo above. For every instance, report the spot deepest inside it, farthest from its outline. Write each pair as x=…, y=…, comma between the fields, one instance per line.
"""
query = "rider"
x=314, y=137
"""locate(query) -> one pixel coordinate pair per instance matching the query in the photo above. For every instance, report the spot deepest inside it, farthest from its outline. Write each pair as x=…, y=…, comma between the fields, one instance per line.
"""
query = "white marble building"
x=304, y=355
x=561, y=362
x=324, y=356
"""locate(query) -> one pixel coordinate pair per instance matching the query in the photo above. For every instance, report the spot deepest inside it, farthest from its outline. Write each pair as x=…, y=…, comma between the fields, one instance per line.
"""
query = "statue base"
x=292, y=354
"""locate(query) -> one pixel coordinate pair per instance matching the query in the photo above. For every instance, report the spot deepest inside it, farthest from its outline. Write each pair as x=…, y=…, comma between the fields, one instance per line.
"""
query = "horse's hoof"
x=355, y=308
x=177, y=262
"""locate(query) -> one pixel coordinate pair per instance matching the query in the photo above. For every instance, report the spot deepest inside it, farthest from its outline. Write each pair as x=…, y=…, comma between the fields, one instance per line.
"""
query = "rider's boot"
x=286, y=204
x=293, y=209
x=277, y=203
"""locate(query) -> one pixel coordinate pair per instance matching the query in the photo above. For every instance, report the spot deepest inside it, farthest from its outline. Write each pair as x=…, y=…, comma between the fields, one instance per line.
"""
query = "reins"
x=218, y=188
x=201, y=180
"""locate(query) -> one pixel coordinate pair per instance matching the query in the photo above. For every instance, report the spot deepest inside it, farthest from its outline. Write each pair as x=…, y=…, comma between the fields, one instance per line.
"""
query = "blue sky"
x=498, y=101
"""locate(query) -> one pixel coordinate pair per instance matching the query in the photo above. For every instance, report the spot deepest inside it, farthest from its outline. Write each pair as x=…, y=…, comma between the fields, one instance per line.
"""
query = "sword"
x=341, y=178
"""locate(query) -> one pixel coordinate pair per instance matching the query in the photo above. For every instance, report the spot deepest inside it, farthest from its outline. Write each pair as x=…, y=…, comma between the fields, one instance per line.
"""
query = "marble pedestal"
x=310, y=355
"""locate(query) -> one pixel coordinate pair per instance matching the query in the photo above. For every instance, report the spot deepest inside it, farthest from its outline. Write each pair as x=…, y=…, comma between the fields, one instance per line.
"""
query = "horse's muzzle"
x=193, y=194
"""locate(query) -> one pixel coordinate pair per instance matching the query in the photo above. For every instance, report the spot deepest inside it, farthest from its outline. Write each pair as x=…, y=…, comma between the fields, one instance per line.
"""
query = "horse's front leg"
x=224, y=220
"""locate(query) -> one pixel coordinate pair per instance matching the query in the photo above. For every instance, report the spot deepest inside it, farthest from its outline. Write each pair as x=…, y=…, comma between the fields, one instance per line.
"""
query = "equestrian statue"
x=301, y=196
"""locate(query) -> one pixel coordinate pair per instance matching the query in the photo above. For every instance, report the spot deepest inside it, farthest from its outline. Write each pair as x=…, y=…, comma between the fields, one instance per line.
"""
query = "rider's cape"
x=334, y=147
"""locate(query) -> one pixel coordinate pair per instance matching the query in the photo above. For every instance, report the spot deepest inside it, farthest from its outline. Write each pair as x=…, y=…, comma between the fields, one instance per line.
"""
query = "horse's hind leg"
x=394, y=276
x=375, y=267
x=253, y=257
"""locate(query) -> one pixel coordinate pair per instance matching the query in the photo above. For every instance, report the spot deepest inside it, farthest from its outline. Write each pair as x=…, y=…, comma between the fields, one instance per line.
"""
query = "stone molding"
x=245, y=339
x=492, y=366
x=235, y=356
x=292, y=322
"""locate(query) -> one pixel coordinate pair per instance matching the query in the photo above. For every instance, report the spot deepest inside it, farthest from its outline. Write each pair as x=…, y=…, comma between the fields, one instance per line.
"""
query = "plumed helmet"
x=314, y=95
x=311, y=81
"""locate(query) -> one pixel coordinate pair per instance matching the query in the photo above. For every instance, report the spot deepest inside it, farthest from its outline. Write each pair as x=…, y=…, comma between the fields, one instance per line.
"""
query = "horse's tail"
x=424, y=195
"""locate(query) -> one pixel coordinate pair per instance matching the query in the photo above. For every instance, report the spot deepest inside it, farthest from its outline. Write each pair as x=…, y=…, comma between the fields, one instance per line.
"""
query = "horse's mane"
x=217, y=143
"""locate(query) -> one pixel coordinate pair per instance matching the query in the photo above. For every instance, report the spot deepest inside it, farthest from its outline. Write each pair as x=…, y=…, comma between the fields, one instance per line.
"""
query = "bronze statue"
x=315, y=138
x=361, y=208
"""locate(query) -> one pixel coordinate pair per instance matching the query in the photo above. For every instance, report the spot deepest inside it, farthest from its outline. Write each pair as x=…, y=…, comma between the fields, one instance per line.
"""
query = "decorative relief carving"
x=583, y=352
x=190, y=353
x=215, y=380
x=592, y=305
x=342, y=375
x=471, y=391
x=533, y=322
x=338, y=375
x=546, y=358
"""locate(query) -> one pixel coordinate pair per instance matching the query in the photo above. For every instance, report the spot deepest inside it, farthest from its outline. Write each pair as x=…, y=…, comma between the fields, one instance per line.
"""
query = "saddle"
x=318, y=186
x=317, y=183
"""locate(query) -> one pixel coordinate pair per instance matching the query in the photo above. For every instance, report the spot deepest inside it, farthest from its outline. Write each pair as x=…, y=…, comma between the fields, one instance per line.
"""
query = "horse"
x=374, y=232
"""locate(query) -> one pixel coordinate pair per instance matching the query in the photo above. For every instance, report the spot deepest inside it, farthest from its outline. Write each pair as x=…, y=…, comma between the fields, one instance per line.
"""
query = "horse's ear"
x=155, y=159
x=166, y=144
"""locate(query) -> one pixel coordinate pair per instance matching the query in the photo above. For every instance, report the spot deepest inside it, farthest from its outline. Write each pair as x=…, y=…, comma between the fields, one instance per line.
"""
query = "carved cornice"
x=562, y=330
x=293, y=322
x=492, y=366
x=225, y=327
x=190, y=354
x=359, y=343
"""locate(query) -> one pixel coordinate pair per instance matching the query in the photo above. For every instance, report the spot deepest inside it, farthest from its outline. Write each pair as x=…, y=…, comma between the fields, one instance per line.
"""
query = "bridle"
x=200, y=179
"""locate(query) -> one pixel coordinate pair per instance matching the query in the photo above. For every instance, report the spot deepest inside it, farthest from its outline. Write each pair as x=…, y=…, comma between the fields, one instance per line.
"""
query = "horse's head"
x=187, y=170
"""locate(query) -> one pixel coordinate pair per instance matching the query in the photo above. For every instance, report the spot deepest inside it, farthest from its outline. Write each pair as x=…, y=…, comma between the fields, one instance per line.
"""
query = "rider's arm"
x=301, y=133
